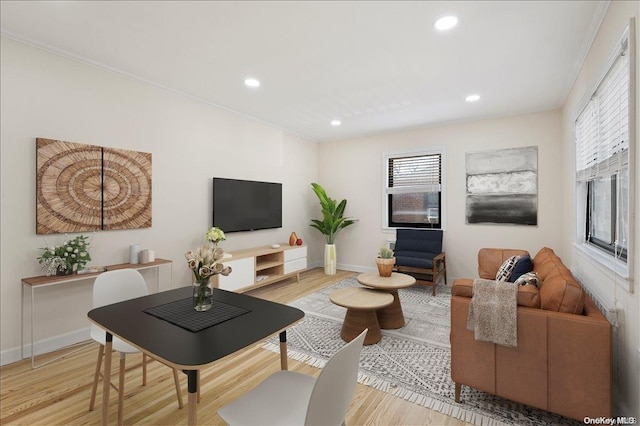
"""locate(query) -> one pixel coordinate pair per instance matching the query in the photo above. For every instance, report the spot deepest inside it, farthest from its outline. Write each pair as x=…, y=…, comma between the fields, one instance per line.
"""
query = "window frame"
x=610, y=247
x=610, y=256
x=387, y=224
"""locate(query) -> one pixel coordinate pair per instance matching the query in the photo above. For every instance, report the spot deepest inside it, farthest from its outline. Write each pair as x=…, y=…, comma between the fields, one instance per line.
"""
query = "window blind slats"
x=602, y=128
x=414, y=174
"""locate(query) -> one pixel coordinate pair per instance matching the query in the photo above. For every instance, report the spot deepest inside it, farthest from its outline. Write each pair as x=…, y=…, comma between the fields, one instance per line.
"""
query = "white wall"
x=600, y=281
x=353, y=170
x=46, y=95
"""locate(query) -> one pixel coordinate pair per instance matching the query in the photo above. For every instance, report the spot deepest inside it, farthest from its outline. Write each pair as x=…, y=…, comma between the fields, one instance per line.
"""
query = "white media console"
x=256, y=267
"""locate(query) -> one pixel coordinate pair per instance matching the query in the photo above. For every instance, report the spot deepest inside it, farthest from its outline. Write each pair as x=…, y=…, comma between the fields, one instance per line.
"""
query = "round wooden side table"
x=390, y=317
x=361, y=304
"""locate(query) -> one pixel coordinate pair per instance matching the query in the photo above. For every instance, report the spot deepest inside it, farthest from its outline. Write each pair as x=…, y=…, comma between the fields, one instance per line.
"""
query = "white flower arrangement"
x=64, y=257
x=205, y=262
x=215, y=235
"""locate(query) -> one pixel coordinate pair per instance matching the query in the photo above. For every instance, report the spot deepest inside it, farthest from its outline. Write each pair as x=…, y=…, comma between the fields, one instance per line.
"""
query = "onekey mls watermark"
x=620, y=420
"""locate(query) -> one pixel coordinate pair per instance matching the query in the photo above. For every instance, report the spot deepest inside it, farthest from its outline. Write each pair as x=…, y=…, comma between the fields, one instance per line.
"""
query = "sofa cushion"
x=545, y=262
x=528, y=295
x=559, y=290
x=523, y=266
x=490, y=260
x=413, y=259
x=507, y=268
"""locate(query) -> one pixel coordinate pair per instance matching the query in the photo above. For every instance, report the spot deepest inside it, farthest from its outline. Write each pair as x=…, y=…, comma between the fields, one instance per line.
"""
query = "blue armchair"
x=419, y=253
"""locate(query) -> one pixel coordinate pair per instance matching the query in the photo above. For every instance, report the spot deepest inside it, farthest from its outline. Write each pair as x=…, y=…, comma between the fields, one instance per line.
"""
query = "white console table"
x=42, y=281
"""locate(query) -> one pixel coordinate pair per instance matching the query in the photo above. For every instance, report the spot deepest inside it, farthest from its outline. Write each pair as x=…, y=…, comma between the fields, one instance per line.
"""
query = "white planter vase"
x=330, y=259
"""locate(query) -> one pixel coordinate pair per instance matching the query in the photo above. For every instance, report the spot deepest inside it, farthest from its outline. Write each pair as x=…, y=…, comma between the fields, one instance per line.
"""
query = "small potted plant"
x=385, y=261
x=67, y=258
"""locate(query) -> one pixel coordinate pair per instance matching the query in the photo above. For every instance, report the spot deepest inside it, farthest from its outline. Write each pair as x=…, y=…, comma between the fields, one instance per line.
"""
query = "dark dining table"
x=166, y=327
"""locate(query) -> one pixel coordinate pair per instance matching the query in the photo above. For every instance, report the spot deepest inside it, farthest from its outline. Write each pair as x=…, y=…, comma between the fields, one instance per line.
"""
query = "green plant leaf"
x=333, y=219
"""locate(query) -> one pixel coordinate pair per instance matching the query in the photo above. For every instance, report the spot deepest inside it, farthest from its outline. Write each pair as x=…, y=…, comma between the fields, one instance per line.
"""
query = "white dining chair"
x=291, y=398
x=112, y=287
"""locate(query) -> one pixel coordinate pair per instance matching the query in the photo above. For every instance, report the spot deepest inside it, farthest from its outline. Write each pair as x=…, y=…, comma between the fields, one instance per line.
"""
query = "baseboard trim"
x=44, y=346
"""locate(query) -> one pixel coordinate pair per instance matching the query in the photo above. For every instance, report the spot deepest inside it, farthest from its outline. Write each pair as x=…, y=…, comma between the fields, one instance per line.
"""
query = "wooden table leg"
x=192, y=400
x=284, y=361
x=106, y=378
x=357, y=320
x=391, y=317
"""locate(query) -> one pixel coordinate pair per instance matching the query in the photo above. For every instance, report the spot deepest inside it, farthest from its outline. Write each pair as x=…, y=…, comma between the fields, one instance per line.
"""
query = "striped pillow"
x=507, y=268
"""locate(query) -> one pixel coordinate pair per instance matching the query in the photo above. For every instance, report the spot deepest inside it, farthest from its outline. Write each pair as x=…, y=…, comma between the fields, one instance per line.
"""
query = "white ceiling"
x=378, y=66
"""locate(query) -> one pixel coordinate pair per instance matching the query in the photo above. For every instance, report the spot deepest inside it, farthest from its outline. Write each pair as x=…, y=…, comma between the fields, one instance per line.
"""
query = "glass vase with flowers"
x=205, y=262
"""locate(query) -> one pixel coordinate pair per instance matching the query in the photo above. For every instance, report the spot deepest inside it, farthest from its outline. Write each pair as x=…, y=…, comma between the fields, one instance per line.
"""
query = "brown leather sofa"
x=562, y=362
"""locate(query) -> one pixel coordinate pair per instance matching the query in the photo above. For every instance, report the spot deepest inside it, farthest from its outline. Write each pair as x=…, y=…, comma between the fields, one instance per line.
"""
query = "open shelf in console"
x=270, y=264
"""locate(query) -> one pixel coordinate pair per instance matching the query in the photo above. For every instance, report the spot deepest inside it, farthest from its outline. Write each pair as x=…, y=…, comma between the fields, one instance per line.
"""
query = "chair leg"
x=199, y=386
x=96, y=378
x=444, y=270
x=176, y=380
x=457, y=392
x=144, y=369
x=121, y=389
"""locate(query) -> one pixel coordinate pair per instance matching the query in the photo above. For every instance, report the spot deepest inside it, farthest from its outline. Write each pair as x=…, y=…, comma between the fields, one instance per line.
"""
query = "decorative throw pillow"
x=507, y=268
x=530, y=278
x=523, y=266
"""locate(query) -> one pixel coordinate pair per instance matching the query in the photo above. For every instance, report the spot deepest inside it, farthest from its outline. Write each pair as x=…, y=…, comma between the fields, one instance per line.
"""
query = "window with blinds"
x=603, y=145
x=414, y=190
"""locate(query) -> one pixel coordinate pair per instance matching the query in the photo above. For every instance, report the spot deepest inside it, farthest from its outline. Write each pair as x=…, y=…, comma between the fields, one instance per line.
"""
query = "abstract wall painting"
x=82, y=188
x=126, y=189
x=502, y=186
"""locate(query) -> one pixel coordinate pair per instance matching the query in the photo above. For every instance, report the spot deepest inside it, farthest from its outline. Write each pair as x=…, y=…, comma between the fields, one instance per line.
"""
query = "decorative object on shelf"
x=292, y=239
x=66, y=258
x=134, y=254
x=215, y=235
x=385, y=261
x=205, y=262
x=333, y=220
x=81, y=187
x=147, y=256
x=299, y=242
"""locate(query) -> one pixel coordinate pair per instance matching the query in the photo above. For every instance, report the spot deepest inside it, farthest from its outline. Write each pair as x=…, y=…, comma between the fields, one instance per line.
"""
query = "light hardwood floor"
x=58, y=393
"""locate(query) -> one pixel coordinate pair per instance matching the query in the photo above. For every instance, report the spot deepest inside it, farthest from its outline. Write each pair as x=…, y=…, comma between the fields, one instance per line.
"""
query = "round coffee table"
x=391, y=316
x=361, y=304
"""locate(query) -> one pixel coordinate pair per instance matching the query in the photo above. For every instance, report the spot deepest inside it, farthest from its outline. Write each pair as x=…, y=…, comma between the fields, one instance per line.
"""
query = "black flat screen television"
x=244, y=205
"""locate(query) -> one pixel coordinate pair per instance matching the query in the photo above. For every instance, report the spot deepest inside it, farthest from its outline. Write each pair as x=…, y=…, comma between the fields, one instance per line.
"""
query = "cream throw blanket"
x=493, y=312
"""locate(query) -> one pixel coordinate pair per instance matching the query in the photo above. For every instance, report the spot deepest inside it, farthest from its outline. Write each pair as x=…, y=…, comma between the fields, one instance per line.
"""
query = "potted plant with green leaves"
x=385, y=261
x=333, y=220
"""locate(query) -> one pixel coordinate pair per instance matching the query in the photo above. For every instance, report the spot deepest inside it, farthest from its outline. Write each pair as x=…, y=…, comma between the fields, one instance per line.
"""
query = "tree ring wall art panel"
x=502, y=186
x=68, y=187
x=126, y=189
x=82, y=188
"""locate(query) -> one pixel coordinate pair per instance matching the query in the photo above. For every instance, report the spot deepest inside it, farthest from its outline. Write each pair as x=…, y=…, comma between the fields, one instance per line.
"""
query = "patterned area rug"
x=412, y=362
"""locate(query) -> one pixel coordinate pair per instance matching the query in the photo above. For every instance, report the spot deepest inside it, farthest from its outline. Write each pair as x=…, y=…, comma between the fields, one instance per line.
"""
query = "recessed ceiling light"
x=472, y=98
x=252, y=82
x=336, y=122
x=446, y=23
